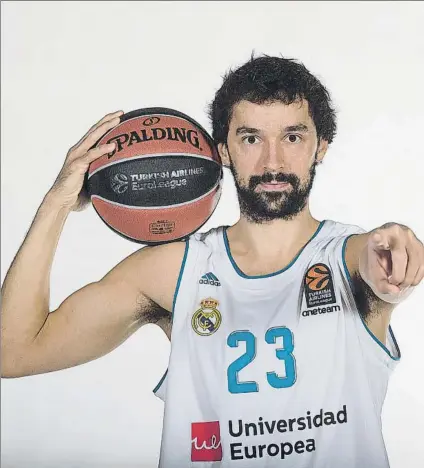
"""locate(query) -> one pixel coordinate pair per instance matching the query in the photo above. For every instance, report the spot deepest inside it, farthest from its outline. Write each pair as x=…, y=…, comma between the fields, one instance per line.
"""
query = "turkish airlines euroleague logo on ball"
x=319, y=287
x=206, y=442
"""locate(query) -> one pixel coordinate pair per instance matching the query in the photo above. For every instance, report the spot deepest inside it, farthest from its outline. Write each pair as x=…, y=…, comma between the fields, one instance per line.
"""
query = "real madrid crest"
x=207, y=319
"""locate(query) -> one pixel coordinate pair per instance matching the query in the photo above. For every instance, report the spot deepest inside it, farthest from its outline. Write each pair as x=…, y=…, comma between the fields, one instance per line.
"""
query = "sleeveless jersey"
x=274, y=370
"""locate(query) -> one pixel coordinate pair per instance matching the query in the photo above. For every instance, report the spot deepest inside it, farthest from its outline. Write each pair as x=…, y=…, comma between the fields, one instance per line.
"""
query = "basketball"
x=162, y=182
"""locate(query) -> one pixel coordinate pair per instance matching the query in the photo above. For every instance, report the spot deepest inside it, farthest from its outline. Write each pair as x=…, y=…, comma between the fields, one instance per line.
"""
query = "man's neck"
x=274, y=243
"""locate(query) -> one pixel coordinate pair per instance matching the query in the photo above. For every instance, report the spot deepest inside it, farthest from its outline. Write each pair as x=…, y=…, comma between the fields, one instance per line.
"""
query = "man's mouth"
x=273, y=186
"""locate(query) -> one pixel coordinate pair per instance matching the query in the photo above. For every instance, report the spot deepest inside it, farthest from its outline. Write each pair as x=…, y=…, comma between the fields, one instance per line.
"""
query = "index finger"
x=399, y=263
x=106, y=118
x=92, y=137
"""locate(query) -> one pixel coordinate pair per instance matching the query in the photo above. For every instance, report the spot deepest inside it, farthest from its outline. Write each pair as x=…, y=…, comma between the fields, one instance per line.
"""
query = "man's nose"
x=273, y=157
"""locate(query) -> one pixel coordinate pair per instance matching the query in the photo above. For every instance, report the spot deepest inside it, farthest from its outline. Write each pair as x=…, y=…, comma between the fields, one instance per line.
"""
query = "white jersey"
x=275, y=370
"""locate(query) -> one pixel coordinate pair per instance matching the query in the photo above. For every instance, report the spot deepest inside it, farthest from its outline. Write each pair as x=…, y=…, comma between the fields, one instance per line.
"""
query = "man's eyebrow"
x=291, y=128
x=244, y=129
x=297, y=128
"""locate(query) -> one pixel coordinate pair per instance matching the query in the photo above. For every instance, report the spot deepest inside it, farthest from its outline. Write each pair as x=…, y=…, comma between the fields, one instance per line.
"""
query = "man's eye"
x=251, y=139
x=292, y=138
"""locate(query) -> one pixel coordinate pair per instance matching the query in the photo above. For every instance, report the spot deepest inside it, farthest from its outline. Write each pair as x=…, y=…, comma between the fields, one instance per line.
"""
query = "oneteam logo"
x=209, y=278
x=321, y=310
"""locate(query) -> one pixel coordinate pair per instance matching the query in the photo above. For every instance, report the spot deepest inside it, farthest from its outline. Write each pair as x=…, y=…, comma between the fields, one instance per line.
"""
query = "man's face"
x=272, y=151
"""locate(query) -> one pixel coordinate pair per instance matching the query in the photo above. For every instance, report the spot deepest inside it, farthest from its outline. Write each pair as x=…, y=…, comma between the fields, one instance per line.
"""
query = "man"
x=281, y=343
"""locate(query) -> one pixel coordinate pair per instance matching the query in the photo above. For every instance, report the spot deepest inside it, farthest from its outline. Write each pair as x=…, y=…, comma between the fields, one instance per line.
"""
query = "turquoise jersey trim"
x=243, y=275
x=160, y=382
x=365, y=325
x=173, y=305
x=180, y=276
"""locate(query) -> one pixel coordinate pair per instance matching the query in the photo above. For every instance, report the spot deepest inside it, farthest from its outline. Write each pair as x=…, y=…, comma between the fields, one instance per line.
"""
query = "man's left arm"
x=389, y=262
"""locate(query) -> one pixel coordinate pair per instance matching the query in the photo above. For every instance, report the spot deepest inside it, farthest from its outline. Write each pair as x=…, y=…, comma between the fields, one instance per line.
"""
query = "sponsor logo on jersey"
x=319, y=287
x=206, y=442
x=207, y=319
x=321, y=310
x=209, y=278
x=251, y=440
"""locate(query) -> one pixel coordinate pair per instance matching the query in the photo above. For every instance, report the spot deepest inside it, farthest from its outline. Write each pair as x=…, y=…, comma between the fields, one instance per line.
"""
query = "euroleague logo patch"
x=319, y=287
x=119, y=183
x=207, y=319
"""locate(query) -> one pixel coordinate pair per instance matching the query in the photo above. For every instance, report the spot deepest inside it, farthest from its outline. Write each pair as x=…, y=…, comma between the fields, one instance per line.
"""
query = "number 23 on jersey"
x=280, y=336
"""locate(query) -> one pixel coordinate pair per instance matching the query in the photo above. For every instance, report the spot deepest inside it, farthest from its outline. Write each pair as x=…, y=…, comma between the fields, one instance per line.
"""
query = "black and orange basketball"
x=163, y=180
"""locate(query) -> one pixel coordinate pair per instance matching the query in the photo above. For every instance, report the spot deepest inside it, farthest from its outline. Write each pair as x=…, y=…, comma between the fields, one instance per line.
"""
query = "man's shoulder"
x=165, y=251
x=336, y=229
x=210, y=235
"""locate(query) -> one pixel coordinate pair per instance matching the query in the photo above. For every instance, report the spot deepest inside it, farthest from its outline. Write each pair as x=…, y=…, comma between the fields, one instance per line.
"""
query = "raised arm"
x=100, y=316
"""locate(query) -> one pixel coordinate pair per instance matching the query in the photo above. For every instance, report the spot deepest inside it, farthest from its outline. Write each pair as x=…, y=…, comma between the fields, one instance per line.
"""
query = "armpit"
x=368, y=304
x=150, y=312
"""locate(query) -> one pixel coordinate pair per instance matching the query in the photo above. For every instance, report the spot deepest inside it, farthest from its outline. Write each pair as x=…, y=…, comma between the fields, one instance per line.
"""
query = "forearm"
x=26, y=291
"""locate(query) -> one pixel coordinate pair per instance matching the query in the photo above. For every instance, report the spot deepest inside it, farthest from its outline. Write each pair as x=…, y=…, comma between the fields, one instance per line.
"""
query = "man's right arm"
x=93, y=320
x=97, y=318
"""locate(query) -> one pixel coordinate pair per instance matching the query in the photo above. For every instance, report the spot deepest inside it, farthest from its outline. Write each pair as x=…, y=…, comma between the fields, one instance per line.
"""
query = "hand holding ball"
x=163, y=180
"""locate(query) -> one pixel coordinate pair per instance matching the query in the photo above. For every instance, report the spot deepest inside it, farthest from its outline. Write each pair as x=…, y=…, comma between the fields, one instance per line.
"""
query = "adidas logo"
x=209, y=278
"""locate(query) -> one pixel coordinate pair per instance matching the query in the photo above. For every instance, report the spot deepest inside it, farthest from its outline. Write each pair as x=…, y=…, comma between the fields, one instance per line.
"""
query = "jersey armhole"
x=180, y=276
x=394, y=352
x=177, y=288
x=159, y=385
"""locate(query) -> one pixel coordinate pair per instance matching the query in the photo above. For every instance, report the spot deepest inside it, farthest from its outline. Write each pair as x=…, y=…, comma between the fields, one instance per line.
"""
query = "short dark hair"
x=269, y=79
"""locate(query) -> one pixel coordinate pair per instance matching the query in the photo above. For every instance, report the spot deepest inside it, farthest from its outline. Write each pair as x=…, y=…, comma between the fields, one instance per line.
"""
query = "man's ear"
x=322, y=150
x=223, y=152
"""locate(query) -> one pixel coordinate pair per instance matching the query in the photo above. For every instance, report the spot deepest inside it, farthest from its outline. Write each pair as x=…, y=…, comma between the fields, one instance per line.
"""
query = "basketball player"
x=280, y=325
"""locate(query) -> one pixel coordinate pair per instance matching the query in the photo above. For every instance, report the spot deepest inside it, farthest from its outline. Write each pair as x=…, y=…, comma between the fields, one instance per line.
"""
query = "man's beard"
x=265, y=206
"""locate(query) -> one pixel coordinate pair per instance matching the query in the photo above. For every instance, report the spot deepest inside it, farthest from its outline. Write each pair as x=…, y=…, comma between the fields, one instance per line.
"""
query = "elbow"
x=8, y=375
x=11, y=365
x=7, y=372
x=10, y=372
